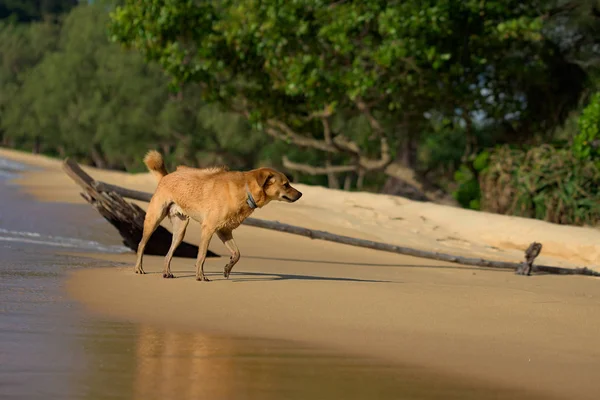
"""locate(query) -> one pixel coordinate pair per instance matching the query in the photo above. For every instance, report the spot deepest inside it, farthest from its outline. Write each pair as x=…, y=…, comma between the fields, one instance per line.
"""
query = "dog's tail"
x=155, y=163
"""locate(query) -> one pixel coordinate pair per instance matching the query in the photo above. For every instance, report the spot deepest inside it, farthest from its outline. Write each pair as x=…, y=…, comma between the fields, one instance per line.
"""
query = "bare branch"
x=403, y=173
x=310, y=170
x=325, y=113
x=385, y=159
x=364, y=108
x=344, y=144
x=279, y=130
x=331, y=145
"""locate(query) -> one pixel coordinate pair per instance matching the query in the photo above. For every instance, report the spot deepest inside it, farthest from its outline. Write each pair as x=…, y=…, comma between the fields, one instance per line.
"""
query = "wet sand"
x=490, y=328
x=154, y=363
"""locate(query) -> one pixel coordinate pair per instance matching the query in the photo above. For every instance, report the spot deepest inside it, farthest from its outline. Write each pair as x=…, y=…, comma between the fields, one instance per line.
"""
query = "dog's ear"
x=262, y=176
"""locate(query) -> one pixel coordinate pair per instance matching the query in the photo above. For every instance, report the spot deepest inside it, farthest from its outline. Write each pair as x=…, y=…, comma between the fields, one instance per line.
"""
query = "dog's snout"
x=296, y=196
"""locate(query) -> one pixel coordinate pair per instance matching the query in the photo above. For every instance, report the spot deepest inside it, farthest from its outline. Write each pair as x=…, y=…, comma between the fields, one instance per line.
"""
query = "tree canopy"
x=299, y=70
x=67, y=90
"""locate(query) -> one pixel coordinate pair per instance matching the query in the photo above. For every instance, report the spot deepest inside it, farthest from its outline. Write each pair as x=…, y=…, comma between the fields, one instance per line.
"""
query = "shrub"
x=586, y=144
x=468, y=191
x=544, y=182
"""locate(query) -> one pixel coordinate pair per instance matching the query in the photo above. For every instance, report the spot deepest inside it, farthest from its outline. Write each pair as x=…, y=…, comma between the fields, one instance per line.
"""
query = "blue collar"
x=249, y=199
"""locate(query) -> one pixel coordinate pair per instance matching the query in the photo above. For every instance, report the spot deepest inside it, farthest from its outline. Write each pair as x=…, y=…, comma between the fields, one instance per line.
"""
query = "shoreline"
x=485, y=325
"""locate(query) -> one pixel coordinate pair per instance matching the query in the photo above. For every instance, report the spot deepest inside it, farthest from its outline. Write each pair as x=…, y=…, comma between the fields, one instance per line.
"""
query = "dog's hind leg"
x=226, y=237
x=157, y=211
x=180, y=223
x=207, y=233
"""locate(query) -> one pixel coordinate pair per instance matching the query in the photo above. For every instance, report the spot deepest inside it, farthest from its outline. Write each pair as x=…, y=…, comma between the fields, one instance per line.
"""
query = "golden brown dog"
x=217, y=198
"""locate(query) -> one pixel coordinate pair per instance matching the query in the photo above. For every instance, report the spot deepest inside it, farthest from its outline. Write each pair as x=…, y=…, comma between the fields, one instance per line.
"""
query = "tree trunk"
x=348, y=181
x=471, y=138
x=37, y=145
x=332, y=180
x=409, y=185
x=97, y=158
x=360, y=180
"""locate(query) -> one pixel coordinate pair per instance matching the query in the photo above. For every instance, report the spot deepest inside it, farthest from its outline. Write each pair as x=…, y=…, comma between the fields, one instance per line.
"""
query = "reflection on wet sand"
x=186, y=365
x=172, y=365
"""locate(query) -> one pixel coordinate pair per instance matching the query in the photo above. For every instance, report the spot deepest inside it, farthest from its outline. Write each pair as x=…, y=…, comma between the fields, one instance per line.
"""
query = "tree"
x=21, y=48
x=305, y=71
x=70, y=92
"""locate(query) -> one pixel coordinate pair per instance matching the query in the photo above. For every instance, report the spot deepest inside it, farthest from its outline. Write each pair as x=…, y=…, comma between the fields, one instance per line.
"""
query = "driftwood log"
x=127, y=217
x=115, y=192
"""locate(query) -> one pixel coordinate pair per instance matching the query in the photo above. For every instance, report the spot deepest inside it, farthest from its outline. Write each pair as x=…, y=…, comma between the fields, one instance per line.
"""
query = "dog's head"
x=276, y=186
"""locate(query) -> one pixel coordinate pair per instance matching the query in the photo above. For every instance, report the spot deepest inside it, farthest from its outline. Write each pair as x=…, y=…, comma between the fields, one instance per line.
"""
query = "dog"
x=219, y=199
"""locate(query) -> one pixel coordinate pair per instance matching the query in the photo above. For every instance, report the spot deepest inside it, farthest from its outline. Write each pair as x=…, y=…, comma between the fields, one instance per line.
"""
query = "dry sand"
x=535, y=333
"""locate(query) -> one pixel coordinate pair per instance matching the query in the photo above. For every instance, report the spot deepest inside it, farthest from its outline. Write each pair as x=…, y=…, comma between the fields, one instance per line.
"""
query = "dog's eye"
x=287, y=185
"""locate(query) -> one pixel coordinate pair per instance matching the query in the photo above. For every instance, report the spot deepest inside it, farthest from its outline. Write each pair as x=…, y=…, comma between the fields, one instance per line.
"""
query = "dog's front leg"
x=226, y=237
x=207, y=233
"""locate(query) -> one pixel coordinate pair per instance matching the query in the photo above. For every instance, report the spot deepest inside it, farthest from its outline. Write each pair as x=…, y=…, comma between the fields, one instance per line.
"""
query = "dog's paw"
x=202, y=279
x=140, y=271
x=168, y=276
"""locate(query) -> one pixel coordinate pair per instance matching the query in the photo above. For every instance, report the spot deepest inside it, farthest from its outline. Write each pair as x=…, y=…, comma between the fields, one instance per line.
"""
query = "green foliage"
x=69, y=91
x=543, y=183
x=323, y=52
x=468, y=191
x=21, y=48
x=288, y=60
x=586, y=144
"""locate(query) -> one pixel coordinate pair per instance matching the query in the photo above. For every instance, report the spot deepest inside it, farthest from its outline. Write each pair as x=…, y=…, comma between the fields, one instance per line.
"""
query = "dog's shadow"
x=387, y=265
x=240, y=276
x=263, y=276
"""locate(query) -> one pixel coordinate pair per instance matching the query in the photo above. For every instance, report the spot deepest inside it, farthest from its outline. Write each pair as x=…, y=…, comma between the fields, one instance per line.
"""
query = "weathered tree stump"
x=531, y=253
x=127, y=217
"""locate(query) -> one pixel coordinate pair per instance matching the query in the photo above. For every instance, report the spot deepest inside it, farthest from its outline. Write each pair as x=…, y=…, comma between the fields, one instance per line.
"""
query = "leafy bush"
x=468, y=192
x=544, y=183
x=586, y=144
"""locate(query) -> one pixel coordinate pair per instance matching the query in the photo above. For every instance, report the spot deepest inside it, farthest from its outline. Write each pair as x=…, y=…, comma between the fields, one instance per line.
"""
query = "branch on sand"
x=108, y=197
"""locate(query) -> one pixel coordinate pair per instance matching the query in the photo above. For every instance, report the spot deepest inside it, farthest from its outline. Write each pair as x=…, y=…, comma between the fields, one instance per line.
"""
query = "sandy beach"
x=533, y=334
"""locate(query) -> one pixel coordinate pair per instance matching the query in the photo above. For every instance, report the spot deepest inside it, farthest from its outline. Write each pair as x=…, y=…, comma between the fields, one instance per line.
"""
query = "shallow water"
x=51, y=349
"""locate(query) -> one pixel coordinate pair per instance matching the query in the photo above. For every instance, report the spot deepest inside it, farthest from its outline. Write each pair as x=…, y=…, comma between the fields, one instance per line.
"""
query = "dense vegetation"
x=491, y=101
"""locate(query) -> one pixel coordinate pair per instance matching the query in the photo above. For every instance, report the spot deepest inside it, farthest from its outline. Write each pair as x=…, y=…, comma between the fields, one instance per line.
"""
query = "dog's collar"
x=249, y=199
